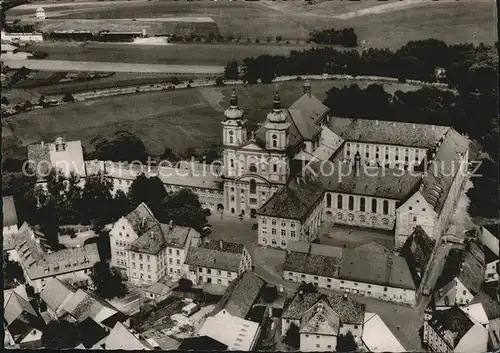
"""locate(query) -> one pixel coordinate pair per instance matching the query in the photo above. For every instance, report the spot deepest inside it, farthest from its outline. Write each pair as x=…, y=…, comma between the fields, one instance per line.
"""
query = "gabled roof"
x=202, y=343
x=141, y=219
x=348, y=310
x=305, y=127
x=121, y=337
x=490, y=305
x=378, y=337
x=9, y=211
x=83, y=305
x=17, y=308
x=443, y=168
x=310, y=107
x=452, y=320
x=55, y=293
x=417, y=252
x=388, y=132
x=91, y=333
x=320, y=319
x=241, y=295
x=216, y=254
x=320, y=265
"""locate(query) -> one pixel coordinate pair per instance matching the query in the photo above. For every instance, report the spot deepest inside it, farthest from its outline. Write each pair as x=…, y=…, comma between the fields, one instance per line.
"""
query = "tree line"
x=345, y=37
x=416, y=60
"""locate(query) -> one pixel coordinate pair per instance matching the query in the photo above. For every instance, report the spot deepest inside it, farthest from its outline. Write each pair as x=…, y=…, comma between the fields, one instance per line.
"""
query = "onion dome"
x=233, y=112
x=278, y=115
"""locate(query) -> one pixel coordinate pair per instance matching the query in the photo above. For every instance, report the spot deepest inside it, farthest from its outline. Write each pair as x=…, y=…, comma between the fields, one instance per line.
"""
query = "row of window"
x=377, y=149
x=283, y=232
x=273, y=242
x=274, y=222
x=219, y=272
x=209, y=280
x=362, y=219
x=362, y=204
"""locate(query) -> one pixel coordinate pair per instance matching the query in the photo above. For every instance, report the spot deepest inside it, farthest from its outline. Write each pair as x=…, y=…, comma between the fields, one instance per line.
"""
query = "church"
x=303, y=167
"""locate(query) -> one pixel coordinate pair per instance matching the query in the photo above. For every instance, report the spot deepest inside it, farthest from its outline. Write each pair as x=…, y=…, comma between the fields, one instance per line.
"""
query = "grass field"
x=177, y=119
x=450, y=20
x=201, y=54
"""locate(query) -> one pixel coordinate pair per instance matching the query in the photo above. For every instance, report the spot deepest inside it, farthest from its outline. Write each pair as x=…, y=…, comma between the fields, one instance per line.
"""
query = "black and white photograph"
x=250, y=175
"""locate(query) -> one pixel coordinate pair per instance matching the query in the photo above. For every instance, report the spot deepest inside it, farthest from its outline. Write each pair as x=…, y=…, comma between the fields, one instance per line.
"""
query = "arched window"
x=339, y=216
x=362, y=204
x=253, y=168
x=385, y=221
x=275, y=168
x=351, y=203
x=386, y=207
x=230, y=139
x=253, y=187
x=339, y=201
x=232, y=163
x=374, y=205
x=328, y=200
x=350, y=217
x=275, y=143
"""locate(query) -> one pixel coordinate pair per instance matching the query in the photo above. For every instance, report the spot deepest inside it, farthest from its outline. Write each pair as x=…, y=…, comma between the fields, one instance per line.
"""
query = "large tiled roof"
x=453, y=320
x=216, y=254
x=417, y=252
x=83, y=305
x=378, y=268
x=388, y=132
x=241, y=295
x=141, y=219
x=310, y=107
x=39, y=155
x=9, y=211
x=320, y=265
x=441, y=172
x=382, y=268
x=320, y=319
x=305, y=127
x=382, y=182
x=55, y=293
x=347, y=309
x=295, y=200
x=38, y=262
x=150, y=242
x=120, y=337
x=15, y=307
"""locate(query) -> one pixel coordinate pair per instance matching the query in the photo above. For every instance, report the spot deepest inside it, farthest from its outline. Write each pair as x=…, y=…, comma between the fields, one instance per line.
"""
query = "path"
x=90, y=66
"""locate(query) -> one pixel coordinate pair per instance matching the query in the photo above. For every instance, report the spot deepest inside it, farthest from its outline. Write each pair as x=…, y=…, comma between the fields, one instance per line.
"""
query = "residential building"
x=491, y=306
x=10, y=221
x=489, y=237
x=379, y=275
x=40, y=264
x=56, y=295
x=461, y=277
x=452, y=330
x=241, y=295
x=377, y=337
x=321, y=318
x=123, y=337
x=236, y=333
x=217, y=262
x=23, y=327
x=159, y=291
x=202, y=343
x=66, y=156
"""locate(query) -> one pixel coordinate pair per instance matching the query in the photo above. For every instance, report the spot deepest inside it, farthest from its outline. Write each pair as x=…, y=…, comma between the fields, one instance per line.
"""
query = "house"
x=321, y=318
x=491, y=307
x=158, y=291
x=202, y=343
x=55, y=295
x=462, y=275
x=218, y=262
x=40, y=264
x=22, y=326
x=66, y=156
x=147, y=250
x=10, y=221
x=122, y=337
x=452, y=330
x=489, y=237
x=236, y=333
x=377, y=337
x=241, y=295
x=417, y=251
x=379, y=275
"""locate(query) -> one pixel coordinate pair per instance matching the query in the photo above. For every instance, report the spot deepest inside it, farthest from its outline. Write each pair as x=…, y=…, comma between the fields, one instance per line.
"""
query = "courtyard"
x=353, y=237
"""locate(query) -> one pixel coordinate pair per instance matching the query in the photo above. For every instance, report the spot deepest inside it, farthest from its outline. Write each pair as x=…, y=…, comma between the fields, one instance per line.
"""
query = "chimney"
x=171, y=224
x=221, y=245
x=42, y=143
x=376, y=122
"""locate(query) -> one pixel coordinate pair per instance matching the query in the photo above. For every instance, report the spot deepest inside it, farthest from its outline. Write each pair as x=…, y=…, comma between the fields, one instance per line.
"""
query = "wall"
x=489, y=240
x=22, y=37
x=275, y=232
x=386, y=293
x=351, y=210
x=317, y=343
x=76, y=276
x=121, y=237
x=143, y=268
x=201, y=275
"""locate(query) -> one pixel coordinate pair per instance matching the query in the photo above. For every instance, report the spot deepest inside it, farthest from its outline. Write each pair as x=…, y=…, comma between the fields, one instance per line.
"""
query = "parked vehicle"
x=190, y=309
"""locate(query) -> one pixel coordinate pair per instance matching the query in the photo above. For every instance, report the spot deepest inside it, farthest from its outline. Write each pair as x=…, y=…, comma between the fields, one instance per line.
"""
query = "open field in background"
x=201, y=54
x=380, y=24
x=177, y=119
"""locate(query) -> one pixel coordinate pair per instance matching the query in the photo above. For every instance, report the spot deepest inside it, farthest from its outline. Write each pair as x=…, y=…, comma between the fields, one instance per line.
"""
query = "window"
x=273, y=242
x=273, y=231
x=252, y=168
x=232, y=166
x=140, y=257
x=328, y=200
x=219, y=273
x=177, y=252
x=292, y=234
x=264, y=220
x=275, y=168
x=170, y=261
x=386, y=207
x=141, y=266
x=209, y=271
x=350, y=217
x=231, y=139
x=149, y=276
x=339, y=201
x=385, y=221
x=253, y=187
x=374, y=205
x=362, y=204
x=351, y=203
x=414, y=219
x=283, y=243
x=228, y=274
x=133, y=256
x=355, y=327
x=178, y=262
x=339, y=216
x=149, y=258
x=133, y=264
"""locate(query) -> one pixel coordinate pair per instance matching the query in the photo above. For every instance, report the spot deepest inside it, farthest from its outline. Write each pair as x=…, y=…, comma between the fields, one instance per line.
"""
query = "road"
x=92, y=66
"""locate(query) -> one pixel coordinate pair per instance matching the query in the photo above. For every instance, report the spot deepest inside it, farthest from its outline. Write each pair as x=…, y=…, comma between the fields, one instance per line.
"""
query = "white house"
x=377, y=337
x=489, y=237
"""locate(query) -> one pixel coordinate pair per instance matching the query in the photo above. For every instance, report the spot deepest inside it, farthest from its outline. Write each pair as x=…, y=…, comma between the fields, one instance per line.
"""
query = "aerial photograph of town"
x=250, y=175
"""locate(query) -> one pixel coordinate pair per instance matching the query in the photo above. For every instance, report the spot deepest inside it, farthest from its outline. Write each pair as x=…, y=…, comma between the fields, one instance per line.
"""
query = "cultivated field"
x=177, y=119
x=189, y=54
x=380, y=24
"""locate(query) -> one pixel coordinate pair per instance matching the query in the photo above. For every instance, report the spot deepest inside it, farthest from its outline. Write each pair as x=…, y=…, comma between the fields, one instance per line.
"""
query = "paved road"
x=60, y=65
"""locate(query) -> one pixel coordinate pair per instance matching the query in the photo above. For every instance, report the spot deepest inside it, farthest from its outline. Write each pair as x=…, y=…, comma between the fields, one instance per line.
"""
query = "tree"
x=231, y=71
x=122, y=146
x=121, y=205
x=292, y=336
x=12, y=272
x=185, y=284
x=96, y=200
x=307, y=288
x=346, y=343
x=107, y=281
x=149, y=190
x=219, y=81
x=170, y=155
x=60, y=335
x=270, y=294
x=183, y=208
